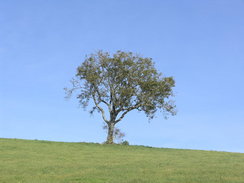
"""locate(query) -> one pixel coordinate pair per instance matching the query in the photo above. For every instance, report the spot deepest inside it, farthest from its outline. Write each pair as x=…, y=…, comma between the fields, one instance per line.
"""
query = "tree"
x=121, y=83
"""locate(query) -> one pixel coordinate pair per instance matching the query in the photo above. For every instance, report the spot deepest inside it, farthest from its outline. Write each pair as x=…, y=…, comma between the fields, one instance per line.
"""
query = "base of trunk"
x=110, y=137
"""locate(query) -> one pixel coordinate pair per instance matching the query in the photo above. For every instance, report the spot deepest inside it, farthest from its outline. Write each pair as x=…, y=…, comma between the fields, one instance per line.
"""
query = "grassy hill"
x=26, y=161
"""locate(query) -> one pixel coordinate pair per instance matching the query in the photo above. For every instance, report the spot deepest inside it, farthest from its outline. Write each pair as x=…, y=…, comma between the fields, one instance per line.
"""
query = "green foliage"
x=23, y=161
x=125, y=142
x=121, y=83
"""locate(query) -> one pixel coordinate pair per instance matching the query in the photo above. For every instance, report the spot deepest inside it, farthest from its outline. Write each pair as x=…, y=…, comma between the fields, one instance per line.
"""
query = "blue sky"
x=200, y=43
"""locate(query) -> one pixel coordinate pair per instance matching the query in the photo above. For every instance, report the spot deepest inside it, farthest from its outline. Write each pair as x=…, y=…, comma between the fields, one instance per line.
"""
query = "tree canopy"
x=120, y=83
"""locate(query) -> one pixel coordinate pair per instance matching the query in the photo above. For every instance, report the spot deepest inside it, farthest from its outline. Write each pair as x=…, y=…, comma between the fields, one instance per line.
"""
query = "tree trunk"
x=110, y=137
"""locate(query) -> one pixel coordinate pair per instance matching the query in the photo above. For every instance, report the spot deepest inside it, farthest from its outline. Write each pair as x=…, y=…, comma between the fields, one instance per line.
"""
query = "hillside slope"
x=26, y=161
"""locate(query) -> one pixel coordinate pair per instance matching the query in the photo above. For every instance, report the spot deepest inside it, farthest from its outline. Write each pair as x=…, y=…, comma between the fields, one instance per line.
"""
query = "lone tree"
x=120, y=83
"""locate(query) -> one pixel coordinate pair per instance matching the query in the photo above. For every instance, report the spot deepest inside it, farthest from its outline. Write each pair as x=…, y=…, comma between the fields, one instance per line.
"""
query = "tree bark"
x=110, y=137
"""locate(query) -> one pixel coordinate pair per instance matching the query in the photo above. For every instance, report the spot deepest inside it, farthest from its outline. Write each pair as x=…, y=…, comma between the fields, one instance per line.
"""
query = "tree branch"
x=126, y=111
x=100, y=108
x=100, y=98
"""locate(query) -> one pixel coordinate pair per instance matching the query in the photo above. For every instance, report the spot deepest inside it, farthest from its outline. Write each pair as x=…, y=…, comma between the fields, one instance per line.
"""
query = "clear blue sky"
x=200, y=43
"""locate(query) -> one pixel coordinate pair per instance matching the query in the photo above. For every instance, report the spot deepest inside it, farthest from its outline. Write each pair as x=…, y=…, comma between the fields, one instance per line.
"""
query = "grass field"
x=26, y=161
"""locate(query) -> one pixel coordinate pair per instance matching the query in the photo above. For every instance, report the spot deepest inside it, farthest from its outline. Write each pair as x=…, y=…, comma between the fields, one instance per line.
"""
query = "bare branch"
x=126, y=111
x=100, y=98
x=100, y=109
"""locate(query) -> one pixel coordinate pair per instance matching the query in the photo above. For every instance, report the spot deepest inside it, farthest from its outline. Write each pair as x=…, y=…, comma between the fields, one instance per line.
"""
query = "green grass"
x=30, y=161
